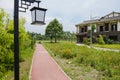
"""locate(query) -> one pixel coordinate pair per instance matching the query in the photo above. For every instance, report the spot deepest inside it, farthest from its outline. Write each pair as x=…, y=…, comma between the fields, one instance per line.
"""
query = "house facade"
x=108, y=26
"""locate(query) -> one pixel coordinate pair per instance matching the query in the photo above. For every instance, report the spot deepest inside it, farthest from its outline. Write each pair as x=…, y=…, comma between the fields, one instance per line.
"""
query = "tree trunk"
x=55, y=38
x=51, y=39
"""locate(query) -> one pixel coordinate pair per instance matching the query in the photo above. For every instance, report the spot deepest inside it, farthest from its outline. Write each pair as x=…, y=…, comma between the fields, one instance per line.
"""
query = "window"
x=85, y=28
x=106, y=27
x=82, y=29
x=114, y=27
x=101, y=28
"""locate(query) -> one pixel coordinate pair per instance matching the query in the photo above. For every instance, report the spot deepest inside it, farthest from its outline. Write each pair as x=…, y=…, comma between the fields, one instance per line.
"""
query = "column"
x=118, y=26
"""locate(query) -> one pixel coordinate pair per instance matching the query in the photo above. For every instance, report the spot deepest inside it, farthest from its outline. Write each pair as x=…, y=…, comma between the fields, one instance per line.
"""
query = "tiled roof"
x=102, y=19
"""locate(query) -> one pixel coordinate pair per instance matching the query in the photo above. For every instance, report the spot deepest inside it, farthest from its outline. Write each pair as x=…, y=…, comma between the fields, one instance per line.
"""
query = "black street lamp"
x=38, y=17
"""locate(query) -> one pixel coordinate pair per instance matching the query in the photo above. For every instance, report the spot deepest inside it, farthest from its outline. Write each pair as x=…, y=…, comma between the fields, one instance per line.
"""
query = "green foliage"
x=3, y=18
x=111, y=46
x=54, y=30
x=68, y=36
x=7, y=42
x=105, y=62
x=93, y=28
x=6, y=46
x=86, y=41
x=66, y=53
x=37, y=36
x=109, y=41
x=27, y=55
x=101, y=40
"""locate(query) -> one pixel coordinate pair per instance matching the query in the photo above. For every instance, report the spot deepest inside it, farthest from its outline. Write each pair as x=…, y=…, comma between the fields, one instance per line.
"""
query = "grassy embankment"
x=25, y=64
x=80, y=62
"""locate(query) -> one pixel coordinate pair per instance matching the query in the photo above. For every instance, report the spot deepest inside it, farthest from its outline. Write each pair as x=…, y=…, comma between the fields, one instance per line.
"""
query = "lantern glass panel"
x=33, y=15
x=40, y=15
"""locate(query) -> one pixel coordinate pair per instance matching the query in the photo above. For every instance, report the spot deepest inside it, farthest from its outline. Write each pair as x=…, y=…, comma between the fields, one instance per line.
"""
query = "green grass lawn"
x=111, y=46
x=80, y=62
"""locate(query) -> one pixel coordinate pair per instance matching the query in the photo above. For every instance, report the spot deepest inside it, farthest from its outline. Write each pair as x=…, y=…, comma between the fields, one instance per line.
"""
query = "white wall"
x=77, y=29
x=118, y=26
x=95, y=28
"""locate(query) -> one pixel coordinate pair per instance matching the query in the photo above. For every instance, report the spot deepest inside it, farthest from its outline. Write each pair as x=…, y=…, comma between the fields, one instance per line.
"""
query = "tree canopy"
x=54, y=30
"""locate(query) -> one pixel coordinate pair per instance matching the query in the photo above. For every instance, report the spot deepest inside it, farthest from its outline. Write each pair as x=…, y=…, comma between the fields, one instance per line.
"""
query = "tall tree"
x=54, y=30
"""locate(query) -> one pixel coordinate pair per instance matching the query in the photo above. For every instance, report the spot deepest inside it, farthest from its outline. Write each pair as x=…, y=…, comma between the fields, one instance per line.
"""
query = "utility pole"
x=91, y=32
x=91, y=37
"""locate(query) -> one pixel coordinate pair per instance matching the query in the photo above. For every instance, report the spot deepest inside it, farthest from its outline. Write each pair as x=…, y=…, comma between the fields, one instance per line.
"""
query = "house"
x=108, y=26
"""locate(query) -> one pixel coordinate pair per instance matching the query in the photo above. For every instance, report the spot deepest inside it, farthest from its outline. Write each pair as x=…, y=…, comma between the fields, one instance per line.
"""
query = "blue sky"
x=68, y=12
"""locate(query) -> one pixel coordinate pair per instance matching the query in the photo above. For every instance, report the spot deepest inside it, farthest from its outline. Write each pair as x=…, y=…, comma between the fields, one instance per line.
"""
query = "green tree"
x=54, y=30
x=68, y=36
x=93, y=28
x=6, y=42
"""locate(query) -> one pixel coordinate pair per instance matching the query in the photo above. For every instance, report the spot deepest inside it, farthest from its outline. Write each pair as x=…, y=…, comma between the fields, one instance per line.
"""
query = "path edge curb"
x=30, y=72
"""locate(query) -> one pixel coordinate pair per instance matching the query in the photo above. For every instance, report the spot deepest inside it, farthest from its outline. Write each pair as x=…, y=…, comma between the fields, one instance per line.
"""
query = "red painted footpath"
x=44, y=67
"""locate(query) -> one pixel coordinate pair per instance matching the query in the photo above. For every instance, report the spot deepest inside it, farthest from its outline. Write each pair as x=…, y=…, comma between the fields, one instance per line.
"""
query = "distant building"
x=108, y=26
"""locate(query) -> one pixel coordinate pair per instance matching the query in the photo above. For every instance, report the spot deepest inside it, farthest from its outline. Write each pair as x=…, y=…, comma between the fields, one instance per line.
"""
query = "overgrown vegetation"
x=7, y=44
x=101, y=40
x=86, y=41
x=105, y=62
x=25, y=65
x=98, y=40
x=110, y=46
x=68, y=36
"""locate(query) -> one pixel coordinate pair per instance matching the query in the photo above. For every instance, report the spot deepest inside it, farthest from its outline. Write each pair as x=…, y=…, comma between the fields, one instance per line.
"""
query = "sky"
x=67, y=12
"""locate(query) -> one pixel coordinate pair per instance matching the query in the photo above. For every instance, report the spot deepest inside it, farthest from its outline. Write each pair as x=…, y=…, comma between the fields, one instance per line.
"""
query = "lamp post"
x=38, y=16
x=90, y=29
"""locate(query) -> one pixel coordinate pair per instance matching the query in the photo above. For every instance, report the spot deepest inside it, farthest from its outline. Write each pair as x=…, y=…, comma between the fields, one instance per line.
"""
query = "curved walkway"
x=44, y=67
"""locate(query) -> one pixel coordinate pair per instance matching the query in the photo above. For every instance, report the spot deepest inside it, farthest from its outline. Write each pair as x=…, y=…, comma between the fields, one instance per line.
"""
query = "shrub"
x=86, y=41
x=94, y=39
x=66, y=53
x=109, y=41
x=100, y=40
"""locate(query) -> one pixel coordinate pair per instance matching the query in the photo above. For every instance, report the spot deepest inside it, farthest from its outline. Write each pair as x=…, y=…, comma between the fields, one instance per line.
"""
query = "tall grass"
x=111, y=46
x=25, y=63
x=106, y=62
